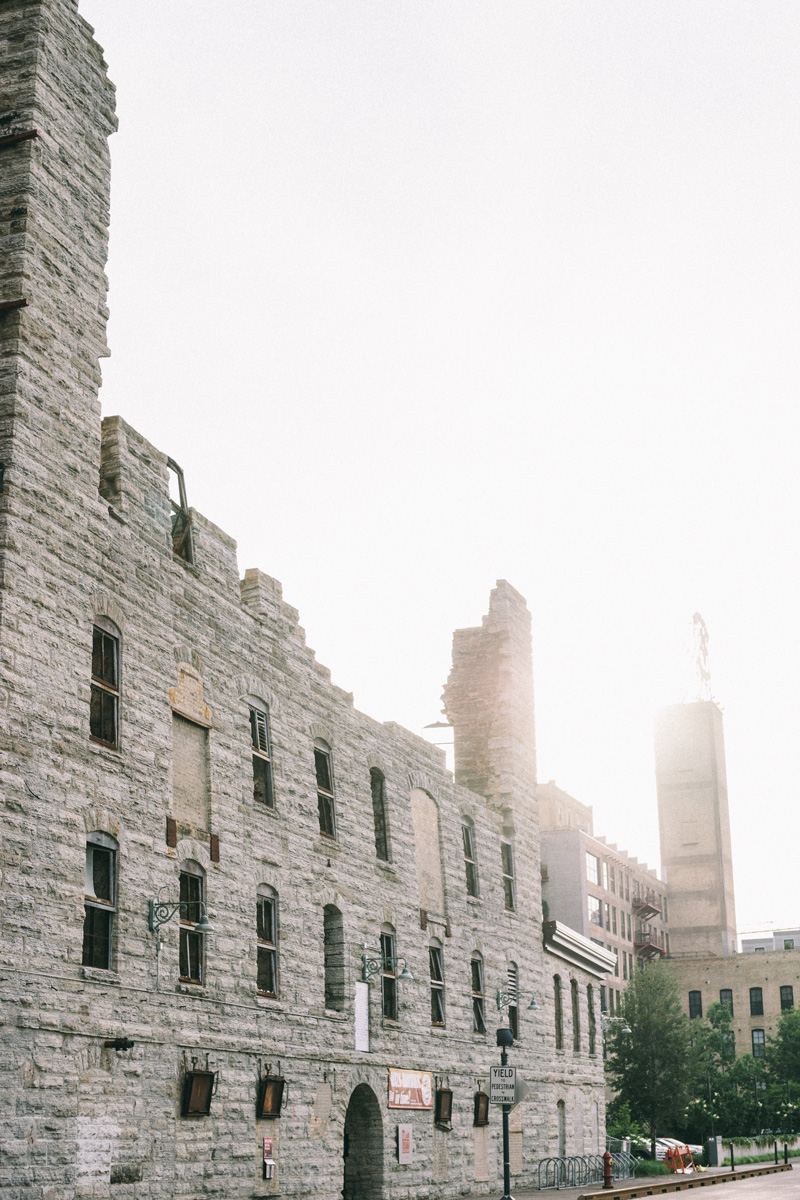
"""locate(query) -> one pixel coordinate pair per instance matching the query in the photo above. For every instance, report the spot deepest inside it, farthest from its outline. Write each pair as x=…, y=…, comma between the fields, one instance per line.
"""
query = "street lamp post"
x=505, y=1037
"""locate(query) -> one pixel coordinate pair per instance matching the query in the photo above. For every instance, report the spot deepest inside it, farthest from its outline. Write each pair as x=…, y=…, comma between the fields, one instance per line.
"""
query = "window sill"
x=103, y=748
x=333, y=1014
x=383, y=865
x=101, y=975
x=476, y=900
x=270, y=1002
x=190, y=988
x=324, y=845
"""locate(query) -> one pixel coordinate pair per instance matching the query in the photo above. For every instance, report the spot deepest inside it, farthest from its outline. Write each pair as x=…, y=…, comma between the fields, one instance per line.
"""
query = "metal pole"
x=506, y=1150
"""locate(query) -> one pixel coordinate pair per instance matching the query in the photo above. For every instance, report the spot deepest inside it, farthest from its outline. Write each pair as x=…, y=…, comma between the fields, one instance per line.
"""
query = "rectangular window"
x=576, y=1017
x=593, y=869
x=99, y=904
x=607, y=908
x=756, y=1002
x=605, y=875
x=592, y=1019
x=615, y=952
x=262, y=758
x=378, y=787
x=558, y=1012
x=627, y=887
x=726, y=998
x=324, y=771
x=759, y=1043
x=628, y=920
x=437, y=985
x=104, y=707
x=267, y=949
x=612, y=878
x=595, y=912
x=624, y=964
x=388, y=977
x=788, y=943
x=513, y=1001
x=603, y=998
x=509, y=884
x=614, y=921
x=191, y=942
x=695, y=1004
x=787, y=997
x=470, y=867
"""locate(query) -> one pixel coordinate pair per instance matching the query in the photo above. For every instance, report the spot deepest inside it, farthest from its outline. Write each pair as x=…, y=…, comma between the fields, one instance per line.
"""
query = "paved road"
x=784, y=1185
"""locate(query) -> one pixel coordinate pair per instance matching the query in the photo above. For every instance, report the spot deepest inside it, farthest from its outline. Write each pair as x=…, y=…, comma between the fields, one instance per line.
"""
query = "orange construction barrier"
x=679, y=1159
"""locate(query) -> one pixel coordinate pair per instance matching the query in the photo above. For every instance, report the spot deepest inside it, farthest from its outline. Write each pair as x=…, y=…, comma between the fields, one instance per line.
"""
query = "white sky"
x=425, y=294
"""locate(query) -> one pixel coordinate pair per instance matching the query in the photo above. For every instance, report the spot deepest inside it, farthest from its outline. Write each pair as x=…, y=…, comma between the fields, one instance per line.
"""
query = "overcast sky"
x=426, y=294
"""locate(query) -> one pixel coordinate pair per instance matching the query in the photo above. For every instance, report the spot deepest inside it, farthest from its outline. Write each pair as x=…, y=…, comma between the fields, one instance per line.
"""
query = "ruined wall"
x=79, y=1118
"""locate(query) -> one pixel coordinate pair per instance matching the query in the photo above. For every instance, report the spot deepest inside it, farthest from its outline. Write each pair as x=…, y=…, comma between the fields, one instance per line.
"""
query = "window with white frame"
x=192, y=887
x=267, y=940
x=436, y=961
x=99, y=900
x=262, y=754
x=593, y=869
x=325, y=797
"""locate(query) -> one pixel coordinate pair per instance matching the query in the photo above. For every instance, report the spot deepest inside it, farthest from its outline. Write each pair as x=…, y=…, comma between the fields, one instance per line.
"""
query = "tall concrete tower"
x=695, y=829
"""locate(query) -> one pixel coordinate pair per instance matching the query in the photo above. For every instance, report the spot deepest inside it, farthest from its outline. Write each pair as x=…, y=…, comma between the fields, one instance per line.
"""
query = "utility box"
x=714, y=1151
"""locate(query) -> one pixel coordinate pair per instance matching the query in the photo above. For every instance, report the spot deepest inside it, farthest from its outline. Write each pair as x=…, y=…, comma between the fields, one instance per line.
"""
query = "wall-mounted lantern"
x=481, y=1114
x=270, y=1097
x=444, y=1109
x=198, y=1088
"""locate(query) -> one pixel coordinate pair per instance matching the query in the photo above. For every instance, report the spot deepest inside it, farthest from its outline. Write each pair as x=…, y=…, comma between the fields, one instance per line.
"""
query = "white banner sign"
x=362, y=1016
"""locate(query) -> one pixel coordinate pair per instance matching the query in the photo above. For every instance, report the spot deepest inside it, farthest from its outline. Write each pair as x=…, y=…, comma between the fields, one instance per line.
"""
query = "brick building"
x=237, y=916
x=600, y=890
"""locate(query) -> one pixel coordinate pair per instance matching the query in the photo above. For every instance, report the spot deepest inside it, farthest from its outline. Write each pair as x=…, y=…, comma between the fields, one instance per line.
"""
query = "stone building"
x=239, y=919
x=600, y=890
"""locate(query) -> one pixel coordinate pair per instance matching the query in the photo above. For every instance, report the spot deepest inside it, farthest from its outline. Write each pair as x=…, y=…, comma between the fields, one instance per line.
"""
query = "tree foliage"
x=650, y=1066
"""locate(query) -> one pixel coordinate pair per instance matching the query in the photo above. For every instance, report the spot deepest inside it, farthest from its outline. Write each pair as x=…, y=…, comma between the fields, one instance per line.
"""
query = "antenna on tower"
x=702, y=680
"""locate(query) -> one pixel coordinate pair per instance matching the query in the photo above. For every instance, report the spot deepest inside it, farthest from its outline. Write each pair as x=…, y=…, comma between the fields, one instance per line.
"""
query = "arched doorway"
x=363, y=1146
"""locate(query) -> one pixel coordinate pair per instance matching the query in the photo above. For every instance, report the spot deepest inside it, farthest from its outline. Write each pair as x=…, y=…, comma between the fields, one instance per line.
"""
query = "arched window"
x=592, y=1019
x=513, y=1000
x=262, y=754
x=267, y=941
x=507, y=861
x=478, y=994
x=388, y=973
x=562, y=1128
x=325, y=798
x=378, y=786
x=104, y=706
x=576, y=1016
x=470, y=861
x=192, y=896
x=558, y=1012
x=333, y=932
x=436, y=960
x=100, y=900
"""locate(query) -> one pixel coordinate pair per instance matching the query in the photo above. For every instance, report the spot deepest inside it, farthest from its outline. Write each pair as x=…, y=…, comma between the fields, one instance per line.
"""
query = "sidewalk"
x=573, y=1193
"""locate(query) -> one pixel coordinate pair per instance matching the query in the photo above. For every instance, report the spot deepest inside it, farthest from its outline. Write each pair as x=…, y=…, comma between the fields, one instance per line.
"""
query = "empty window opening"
x=100, y=900
x=325, y=800
x=333, y=938
x=192, y=879
x=182, y=540
x=262, y=755
x=478, y=994
x=104, y=708
x=388, y=973
x=437, y=983
x=267, y=938
x=378, y=786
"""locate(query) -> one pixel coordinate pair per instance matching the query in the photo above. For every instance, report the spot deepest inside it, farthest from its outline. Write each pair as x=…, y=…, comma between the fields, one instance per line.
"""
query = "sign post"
x=501, y=1091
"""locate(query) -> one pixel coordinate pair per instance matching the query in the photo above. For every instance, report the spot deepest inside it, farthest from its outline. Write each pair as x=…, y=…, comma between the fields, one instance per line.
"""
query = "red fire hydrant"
x=608, y=1169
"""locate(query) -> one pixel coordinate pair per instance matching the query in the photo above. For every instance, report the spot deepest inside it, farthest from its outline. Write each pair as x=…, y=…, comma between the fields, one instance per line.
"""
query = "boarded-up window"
x=334, y=958
x=189, y=772
x=425, y=819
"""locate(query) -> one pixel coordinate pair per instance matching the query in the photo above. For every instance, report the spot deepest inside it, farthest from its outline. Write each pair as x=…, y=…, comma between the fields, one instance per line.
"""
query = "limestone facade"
x=167, y=735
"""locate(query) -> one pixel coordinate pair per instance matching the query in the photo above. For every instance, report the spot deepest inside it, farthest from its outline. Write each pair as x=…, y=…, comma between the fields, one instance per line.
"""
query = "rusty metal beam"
x=13, y=138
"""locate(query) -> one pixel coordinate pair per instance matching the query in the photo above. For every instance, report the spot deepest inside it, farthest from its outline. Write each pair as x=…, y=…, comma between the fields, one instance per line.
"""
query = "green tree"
x=650, y=1066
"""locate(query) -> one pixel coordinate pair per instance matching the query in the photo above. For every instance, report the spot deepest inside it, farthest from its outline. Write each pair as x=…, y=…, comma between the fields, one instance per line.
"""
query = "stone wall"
x=85, y=538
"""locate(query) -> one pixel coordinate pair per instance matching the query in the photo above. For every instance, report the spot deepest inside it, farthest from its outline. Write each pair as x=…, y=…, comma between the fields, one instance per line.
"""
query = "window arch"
x=100, y=899
x=104, y=702
x=558, y=1012
x=513, y=999
x=261, y=744
x=325, y=795
x=192, y=897
x=377, y=781
x=333, y=938
x=388, y=973
x=576, y=1016
x=478, y=993
x=266, y=940
x=436, y=961
x=470, y=861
